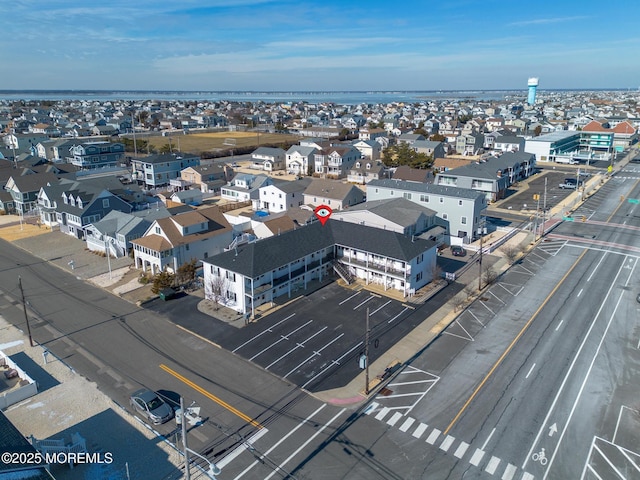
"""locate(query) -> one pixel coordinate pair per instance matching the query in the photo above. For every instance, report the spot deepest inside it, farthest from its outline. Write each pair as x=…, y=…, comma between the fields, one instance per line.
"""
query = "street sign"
x=609, y=169
x=633, y=200
x=567, y=219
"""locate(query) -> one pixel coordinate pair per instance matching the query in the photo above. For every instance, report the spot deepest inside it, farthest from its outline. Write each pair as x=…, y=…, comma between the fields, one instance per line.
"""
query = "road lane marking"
x=530, y=370
x=559, y=324
x=243, y=473
x=417, y=433
x=394, y=419
x=509, y=472
x=248, y=445
x=446, y=444
x=362, y=303
x=407, y=424
x=477, y=457
x=282, y=337
x=380, y=308
x=333, y=362
x=278, y=468
x=580, y=293
x=262, y=333
x=347, y=299
x=492, y=465
x=486, y=442
x=298, y=345
x=404, y=310
x=596, y=267
x=211, y=396
x=371, y=408
x=461, y=450
x=512, y=344
x=431, y=439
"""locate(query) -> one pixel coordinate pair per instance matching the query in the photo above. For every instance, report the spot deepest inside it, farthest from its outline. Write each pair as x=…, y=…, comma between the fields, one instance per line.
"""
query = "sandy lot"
x=214, y=141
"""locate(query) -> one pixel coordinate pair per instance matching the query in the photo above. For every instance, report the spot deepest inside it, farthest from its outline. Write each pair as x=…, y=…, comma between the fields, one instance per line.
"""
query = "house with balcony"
x=596, y=138
x=244, y=187
x=281, y=196
x=364, y=171
x=458, y=210
x=207, y=178
x=173, y=241
x=24, y=189
x=91, y=155
x=158, y=170
x=470, y=144
x=336, y=161
x=508, y=143
x=369, y=149
x=299, y=158
x=334, y=194
x=269, y=159
x=429, y=147
x=260, y=272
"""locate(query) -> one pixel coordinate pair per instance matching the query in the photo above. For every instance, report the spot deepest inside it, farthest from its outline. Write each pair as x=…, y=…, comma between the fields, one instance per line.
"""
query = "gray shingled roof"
x=255, y=259
x=399, y=210
x=443, y=190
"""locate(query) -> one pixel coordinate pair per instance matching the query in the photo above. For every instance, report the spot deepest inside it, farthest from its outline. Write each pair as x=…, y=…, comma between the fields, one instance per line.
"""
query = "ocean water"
x=344, y=98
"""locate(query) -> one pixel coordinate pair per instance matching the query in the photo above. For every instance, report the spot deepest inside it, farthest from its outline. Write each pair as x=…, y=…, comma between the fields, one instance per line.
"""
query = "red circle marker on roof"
x=323, y=212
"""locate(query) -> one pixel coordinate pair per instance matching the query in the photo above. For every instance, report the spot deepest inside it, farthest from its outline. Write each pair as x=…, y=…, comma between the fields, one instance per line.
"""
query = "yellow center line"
x=511, y=345
x=220, y=402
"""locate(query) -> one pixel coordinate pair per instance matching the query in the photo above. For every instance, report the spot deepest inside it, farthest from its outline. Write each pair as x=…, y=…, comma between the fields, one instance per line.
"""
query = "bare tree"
x=436, y=273
x=489, y=275
x=510, y=253
x=457, y=302
x=218, y=286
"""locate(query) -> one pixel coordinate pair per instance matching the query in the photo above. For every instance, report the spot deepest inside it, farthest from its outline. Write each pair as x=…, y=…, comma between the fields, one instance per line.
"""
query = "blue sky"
x=322, y=45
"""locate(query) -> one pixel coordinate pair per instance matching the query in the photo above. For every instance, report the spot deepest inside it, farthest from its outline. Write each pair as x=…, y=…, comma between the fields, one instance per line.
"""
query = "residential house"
x=335, y=162
x=509, y=143
x=364, y=171
x=207, y=178
x=429, y=147
x=157, y=170
x=272, y=225
x=104, y=130
x=91, y=155
x=244, y=187
x=260, y=272
x=367, y=133
x=493, y=176
x=268, y=158
x=405, y=172
x=471, y=144
x=173, y=241
x=56, y=150
x=334, y=194
x=410, y=138
x=299, y=158
x=23, y=142
x=281, y=196
x=459, y=209
x=369, y=149
x=24, y=189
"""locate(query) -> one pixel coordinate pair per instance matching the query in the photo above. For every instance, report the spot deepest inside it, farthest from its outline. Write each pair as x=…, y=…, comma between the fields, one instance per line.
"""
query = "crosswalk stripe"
x=509, y=472
x=527, y=476
x=431, y=439
x=394, y=419
x=382, y=413
x=407, y=423
x=420, y=430
x=460, y=451
x=448, y=441
x=492, y=465
x=371, y=408
x=477, y=456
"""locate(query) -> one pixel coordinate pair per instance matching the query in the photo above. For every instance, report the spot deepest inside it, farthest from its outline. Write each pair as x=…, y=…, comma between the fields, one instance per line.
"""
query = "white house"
x=268, y=158
x=244, y=187
x=298, y=159
x=282, y=196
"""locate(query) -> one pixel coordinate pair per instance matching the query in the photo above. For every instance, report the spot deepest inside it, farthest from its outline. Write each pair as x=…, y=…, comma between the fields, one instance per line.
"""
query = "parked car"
x=571, y=186
x=150, y=405
x=458, y=251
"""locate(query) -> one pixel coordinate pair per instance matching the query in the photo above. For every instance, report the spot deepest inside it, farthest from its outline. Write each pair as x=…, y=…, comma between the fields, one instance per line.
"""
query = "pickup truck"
x=569, y=185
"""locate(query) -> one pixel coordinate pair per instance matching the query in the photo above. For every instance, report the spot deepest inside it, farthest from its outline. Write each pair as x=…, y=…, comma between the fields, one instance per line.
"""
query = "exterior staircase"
x=342, y=270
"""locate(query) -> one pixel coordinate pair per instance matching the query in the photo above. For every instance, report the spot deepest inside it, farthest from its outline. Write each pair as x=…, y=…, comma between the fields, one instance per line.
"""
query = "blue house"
x=158, y=170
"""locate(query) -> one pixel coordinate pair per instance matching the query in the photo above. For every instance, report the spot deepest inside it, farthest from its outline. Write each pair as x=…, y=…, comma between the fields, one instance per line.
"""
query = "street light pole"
x=480, y=260
x=24, y=307
x=106, y=250
x=366, y=356
x=183, y=424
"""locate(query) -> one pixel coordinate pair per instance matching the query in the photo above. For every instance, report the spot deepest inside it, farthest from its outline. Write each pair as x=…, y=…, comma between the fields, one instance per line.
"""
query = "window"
x=424, y=198
x=460, y=202
x=158, y=230
x=445, y=216
x=441, y=200
x=105, y=203
x=419, y=276
x=463, y=220
x=407, y=196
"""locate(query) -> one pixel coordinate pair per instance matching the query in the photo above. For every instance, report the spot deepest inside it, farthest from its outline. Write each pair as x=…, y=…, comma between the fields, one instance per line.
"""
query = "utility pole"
x=183, y=424
x=133, y=127
x=544, y=206
x=480, y=260
x=366, y=356
x=24, y=306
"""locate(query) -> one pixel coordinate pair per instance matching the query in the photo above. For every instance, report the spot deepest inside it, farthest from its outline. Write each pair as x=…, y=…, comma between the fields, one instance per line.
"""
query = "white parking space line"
x=314, y=354
x=382, y=413
x=446, y=444
x=400, y=395
x=333, y=362
x=380, y=308
x=244, y=472
x=394, y=419
x=298, y=345
x=509, y=472
x=244, y=446
x=282, y=338
x=262, y=333
x=492, y=465
x=362, y=303
x=496, y=297
x=528, y=476
x=395, y=384
x=461, y=450
x=347, y=299
x=431, y=439
x=407, y=424
x=477, y=319
x=404, y=310
x=468, y=337
x=485, y=306
x=278, y=469
x=477, y=457
x=505, y=288
x=420, y=430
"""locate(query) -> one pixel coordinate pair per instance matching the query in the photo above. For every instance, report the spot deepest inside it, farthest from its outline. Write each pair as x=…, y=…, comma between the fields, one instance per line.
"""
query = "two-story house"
x=364, y=171
x=158, y=170
x=429, y=147
x=207, y=178
x=471, y=144
x=92, y=155
x=334, y=194
x=24, y=189
x=173, y=241
x=268, y=159
x=335, y=162
x=244, y=187
x=459, y=209
x=369, y=149
x=299, y=158
x=281, y=196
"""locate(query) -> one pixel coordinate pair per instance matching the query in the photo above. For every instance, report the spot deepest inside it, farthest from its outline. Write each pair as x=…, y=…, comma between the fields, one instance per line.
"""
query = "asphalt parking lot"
x=316, y=341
